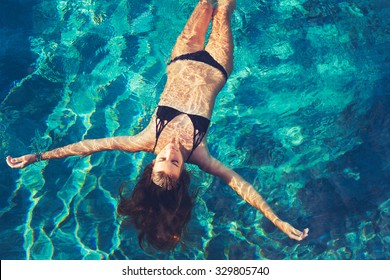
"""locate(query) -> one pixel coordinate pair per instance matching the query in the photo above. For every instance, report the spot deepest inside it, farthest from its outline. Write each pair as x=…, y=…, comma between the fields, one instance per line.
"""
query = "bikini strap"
x=201, y=125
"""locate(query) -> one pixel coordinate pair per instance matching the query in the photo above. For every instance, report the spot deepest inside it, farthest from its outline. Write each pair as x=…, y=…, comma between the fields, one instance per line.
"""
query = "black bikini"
x=166, y=114
x=202, y=56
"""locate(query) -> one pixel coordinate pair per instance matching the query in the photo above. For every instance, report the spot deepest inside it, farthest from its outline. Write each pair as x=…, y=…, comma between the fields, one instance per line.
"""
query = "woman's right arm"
x=139, y=142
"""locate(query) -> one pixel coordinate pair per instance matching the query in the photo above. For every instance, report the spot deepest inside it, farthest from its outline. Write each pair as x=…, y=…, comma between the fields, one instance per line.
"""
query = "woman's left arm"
x=250, y=195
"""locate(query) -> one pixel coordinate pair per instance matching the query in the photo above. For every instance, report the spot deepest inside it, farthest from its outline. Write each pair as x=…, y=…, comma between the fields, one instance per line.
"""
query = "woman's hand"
x=292, y=232
x=21, y=162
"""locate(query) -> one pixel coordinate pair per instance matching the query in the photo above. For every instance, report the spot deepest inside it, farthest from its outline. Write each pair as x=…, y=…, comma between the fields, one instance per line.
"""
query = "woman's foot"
x=231, y=4
x=212, y=2
x=207, y=2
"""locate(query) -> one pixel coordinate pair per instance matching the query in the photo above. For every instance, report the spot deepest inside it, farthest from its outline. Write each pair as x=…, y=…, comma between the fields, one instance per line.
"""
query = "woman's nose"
x=169, y=154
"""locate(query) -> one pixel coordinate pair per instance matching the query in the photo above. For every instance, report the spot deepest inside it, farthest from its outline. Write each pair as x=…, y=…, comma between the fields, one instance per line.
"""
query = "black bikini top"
x=165, y=114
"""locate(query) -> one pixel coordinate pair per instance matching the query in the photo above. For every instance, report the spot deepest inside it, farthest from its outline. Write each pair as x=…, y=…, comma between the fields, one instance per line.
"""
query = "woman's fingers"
x=19, y=162
x=292, y=232
x=10, y=161
x=298, y=235
x=13, y=162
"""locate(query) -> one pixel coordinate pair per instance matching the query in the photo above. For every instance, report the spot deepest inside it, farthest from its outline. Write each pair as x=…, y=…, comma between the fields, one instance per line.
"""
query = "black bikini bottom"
x=202, y=56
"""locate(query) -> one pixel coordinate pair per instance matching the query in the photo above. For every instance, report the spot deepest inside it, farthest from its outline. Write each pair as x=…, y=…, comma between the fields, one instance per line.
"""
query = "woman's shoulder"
x=201, y=156
x=146, y=137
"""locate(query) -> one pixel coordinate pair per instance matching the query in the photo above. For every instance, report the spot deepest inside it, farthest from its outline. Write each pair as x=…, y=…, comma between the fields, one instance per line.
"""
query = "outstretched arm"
x=247, y=192
x=135, y=143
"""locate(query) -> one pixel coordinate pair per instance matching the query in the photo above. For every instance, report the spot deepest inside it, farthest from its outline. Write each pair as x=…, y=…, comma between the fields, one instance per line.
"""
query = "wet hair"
x=159, y=212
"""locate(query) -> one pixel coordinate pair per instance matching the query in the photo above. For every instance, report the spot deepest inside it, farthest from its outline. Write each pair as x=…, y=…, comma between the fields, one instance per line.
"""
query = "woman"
x=160, y=205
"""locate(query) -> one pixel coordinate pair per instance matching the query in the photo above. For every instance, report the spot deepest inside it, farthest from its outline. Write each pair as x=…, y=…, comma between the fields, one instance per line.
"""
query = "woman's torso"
x=191, y=88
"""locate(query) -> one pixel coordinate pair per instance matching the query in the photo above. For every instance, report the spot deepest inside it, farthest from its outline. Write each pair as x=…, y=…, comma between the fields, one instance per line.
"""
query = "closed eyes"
x=174, y=162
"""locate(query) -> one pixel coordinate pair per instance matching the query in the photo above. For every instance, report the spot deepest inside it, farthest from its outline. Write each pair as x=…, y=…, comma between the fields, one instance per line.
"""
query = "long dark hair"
x=158, y=213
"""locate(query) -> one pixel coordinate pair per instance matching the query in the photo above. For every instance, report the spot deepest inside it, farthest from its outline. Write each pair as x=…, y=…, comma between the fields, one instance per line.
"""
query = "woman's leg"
x=193, y=35
x=220, y=45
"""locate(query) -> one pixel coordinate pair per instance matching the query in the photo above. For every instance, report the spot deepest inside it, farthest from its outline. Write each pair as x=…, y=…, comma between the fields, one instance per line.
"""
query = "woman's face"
x=170, y=160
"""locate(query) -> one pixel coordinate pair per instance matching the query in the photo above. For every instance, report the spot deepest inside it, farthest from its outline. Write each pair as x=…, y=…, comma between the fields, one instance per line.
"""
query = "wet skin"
x=170, y=159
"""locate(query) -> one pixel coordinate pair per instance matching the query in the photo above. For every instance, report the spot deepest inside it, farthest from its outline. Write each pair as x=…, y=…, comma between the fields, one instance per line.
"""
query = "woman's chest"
x=180, y=127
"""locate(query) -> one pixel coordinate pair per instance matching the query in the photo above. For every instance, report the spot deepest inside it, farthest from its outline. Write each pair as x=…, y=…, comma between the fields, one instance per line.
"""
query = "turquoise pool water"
x=305, y=117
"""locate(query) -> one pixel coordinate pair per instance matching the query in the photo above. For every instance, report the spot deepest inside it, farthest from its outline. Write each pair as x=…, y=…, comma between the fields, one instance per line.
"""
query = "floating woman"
x=160, y=205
